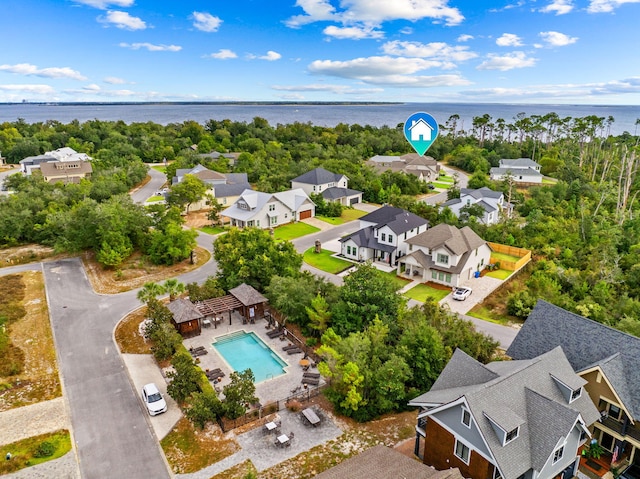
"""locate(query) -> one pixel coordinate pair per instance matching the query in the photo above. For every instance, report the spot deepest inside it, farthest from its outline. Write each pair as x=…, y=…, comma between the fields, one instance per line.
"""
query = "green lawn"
x=348, y=214
x=212, y=230
x=422, y=291
x=503, y=257
x=549, y=181
x=445, y=179
x=401, y=282
x=444, y=186
x=24, y=452
x=292, y=231
x=155, y=198
x=159, y=168
x=325, y=261
x=500, y=274
x=485, y=314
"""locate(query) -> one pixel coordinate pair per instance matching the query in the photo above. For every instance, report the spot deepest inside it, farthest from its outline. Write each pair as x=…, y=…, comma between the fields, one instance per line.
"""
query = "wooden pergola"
x=217, y=306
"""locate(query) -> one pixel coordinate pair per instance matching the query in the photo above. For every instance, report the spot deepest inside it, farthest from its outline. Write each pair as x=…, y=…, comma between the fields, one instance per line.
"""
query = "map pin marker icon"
x=421, y=130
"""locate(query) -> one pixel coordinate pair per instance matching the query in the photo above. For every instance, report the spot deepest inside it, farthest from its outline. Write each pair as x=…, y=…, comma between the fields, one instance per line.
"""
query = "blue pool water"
x=247, y=351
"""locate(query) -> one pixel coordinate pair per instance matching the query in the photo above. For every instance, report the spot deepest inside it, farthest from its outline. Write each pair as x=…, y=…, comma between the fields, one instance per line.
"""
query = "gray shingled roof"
x=397, y=219
x=381, y=462
x=230, y=189
x=336, y=192
x=318, y=176
x=458, y=241
x=365, y=238
x=247, y=295
x=586, y=344
x=483, y=192
x=183, y=310
x=519, y=163
x=524, y=394
x=515, y=171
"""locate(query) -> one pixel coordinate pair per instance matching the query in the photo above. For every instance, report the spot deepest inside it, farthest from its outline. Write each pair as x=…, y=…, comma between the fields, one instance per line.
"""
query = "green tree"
x=188, y=191
x=185, y=378
x=239, y=393
x=252, y=256
x=171, y=244
x=209, y=289
x=290, y=295
x=174, y=288
x=204, y=407
x=319, y=315
x=150, y=291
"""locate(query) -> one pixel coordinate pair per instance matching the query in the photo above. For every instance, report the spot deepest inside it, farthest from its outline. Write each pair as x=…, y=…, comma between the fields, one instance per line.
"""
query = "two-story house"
x=522, y=170
x=491, y=202
x=608, y=359
x=68, y=171
x=268, y=210
x=445, y=254
x=507, y=419
x=425, y=168
x=32, y=163
x=224, y=187
x=332, y=186
x=382, y=235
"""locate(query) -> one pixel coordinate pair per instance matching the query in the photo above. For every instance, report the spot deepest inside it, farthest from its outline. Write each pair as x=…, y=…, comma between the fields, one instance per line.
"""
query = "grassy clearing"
x=331, y=221
x=439, y=184
x=422, y=291
x=401, y=282
x=25, y=452
x=136, y=271
x=497, y=257
x=128, y=335
x=500, y=274
x=481, y=312
x=155, y=198
x=325, y=261
x=212, y=230
x=188, y=449
x=31, y=334
x=27, y=254
x=160, y=168
x=348, y=214
x=292, y=231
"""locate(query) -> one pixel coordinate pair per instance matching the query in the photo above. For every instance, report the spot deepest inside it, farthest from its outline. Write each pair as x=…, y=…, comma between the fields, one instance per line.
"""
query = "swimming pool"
x=247, y=351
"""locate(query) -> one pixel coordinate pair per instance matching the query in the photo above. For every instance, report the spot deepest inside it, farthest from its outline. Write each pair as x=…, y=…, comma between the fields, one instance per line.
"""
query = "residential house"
x=68, y=171
x=425, y=168
x=224, y=187
x=382, y=235
x=491, y=202
x=382, y=462
x=445, y=254
x=507, y=419
x=522, y=170
x=332, y=186
x=608, y=359
x=232, y=158
x=31, y=163
x=268, y=210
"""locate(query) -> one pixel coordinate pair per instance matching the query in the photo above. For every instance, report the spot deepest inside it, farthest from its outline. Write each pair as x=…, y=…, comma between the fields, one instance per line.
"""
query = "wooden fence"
x=523, y=254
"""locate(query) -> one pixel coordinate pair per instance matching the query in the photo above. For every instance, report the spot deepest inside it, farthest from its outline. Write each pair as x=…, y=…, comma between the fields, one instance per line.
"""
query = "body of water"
x=321, y=115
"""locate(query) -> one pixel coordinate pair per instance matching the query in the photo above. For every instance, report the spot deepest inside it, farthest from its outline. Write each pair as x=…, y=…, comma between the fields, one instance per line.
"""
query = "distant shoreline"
x=231, y=103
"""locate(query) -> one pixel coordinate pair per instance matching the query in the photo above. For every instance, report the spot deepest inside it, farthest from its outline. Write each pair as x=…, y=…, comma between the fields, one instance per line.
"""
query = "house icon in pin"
x=420, y=130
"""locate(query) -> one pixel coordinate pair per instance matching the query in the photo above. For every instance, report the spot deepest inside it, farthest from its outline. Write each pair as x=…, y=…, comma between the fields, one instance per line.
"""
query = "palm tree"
x=150, y=291
x=174, y=288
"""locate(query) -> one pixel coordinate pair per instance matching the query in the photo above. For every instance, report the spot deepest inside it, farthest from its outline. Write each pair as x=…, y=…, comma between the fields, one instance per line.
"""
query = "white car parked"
x=461, y=293
x=153, y=399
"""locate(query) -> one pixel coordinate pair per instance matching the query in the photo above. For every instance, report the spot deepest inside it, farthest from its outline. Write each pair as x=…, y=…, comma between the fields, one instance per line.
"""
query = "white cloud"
x=353, y=33
x=104, y=4
x=270, y=56
x=386, y=70
x=557, y=39
x=206, y=22
x=604, y=6
x=151, y=47
x=33, y=89
x=509, y=40
x=406, y=30
x=223, y=54
x=560, y=7
x=52, y=72
x=507, y=62
x=337, y=89
x=439, y=50
x=375, y=12
x=115, y=81
x=122, y=20
x=464, y=38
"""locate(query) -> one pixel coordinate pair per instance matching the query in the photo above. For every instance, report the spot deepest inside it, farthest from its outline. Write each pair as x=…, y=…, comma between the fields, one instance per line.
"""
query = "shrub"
x=203, y=408
x=45, y=449
x=294, y=405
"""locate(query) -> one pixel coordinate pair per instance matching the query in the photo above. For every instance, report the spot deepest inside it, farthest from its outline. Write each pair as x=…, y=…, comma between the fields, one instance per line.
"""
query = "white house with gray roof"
x=268, y=210
x=383, y=235
x=332, y=186
x=445, y=254
x=522, y=170
x=491, y=202
x=224, y=187
x=507, y=419
x=608, y=359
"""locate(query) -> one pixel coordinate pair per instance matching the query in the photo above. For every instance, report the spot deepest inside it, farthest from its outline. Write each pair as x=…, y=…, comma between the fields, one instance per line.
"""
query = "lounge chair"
x=295, y=350
x=312, y=381
x=311, y=375
x=275, y=333
x=291, y=346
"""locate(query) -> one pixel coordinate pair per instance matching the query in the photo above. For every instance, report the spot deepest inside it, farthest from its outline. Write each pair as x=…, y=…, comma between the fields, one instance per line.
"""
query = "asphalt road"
x=145, y=192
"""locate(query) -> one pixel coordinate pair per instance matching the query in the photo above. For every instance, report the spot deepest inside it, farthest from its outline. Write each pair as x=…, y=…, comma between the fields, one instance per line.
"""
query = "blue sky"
x=512, y=51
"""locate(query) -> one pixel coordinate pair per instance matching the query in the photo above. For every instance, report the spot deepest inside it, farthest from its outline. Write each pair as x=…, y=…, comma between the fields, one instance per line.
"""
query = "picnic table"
x=311, y=416
x=282, y=440
x=270, y=426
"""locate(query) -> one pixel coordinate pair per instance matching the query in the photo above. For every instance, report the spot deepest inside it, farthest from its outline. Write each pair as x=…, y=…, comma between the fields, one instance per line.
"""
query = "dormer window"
x=511, y=435
x=466, y=418
x=558, y=453
x=575, y=394
x=272, y=207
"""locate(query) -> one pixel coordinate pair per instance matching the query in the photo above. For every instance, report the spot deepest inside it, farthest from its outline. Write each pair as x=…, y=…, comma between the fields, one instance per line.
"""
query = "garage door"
x=305, y=214
x=353, y=201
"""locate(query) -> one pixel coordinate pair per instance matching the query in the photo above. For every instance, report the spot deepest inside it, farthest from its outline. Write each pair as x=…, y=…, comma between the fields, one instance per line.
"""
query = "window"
x=443, y=258
x=285, y=216
x=440, y=276
x=461, y=451
x=383, y=237
x=557, y=454
x=390, y=238
x=272, y=207
x=447, y=278
x=257, y=222
x=410, y=247
x=575, y=394
x=434, y=275
x=466, y=418
x=511, y=435
x=614, y=412
x=349, y=250
x=274, y=220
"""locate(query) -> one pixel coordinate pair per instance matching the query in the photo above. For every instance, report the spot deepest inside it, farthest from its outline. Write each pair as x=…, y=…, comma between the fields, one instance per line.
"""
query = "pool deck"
x=268, y=390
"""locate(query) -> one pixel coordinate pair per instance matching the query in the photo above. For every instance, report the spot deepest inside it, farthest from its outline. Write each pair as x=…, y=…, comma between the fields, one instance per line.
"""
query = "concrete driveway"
x=482, y=287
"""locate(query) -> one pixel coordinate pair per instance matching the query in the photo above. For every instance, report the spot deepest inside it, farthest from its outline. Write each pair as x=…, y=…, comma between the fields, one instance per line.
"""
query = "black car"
x=631, y=472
